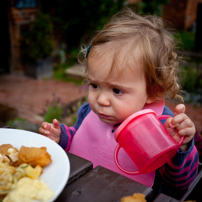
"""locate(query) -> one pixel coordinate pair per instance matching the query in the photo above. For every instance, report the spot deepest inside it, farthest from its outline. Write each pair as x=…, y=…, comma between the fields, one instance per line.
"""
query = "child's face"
x=120, y=95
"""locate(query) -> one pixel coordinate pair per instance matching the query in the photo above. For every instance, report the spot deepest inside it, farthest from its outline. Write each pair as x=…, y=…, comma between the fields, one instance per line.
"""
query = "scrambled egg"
x=29, y=189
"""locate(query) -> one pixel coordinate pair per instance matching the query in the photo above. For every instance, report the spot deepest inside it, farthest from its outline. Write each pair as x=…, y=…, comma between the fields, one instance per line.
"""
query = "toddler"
x=131, y=64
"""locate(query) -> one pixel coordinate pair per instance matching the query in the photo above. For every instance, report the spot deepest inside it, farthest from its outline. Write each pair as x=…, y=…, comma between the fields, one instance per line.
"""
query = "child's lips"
x=103, y=116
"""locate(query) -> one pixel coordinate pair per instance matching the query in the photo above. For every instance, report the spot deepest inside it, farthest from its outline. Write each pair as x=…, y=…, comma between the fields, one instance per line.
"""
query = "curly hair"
x=156, y=43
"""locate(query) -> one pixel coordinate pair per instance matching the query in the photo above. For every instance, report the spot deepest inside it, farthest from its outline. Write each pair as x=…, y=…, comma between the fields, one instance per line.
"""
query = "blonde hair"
x=157, y=49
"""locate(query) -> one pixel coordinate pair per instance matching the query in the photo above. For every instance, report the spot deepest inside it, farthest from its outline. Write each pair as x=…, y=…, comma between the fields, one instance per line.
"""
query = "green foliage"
x=54, y=110
x=190, y=78
x=151, y=6
x=37, y=42
x=79, y=19
x=192, y=83
x=22, y=124
x=60, y=74
x=73, y=57
x=187, y=39
x=12, y=123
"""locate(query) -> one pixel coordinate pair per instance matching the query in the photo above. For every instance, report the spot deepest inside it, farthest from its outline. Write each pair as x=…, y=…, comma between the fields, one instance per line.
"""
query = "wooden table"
x=100, y=184
x=86, y=184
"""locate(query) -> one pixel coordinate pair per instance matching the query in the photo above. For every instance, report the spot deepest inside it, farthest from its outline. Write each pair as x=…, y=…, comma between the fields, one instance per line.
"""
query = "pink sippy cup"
x=146, y=141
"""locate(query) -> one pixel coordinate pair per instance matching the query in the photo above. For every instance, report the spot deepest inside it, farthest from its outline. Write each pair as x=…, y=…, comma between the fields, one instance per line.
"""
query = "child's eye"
x=94, y=86
x=117, y=91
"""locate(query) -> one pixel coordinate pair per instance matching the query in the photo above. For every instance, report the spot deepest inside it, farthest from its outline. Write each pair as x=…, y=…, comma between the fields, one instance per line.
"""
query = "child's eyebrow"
x=87, y=79
x=110, y=84
x=119, y=86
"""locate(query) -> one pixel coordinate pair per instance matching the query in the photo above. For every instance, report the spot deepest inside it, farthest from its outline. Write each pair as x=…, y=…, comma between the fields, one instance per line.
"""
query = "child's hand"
x=181, y=125
x=51, y=130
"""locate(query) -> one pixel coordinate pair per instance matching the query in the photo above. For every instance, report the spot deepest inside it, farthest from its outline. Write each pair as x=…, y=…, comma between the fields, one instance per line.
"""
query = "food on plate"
x=34, y=156
x=8, y=154
x=30, y=155
x=137, y=197
x=28, y=190
x=31, y=172
x=4, y=149
x=190, y=201
x=20, y=171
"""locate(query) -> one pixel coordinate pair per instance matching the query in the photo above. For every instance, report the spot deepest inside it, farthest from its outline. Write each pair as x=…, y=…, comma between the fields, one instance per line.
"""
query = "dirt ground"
x=30, y=96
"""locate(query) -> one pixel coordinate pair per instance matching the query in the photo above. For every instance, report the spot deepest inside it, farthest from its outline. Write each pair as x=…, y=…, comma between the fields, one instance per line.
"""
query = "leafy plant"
x=187, y=39
x=89, y=16
x=192, y=83
x=37, y=42
x=151, y=6
x=54, y=110
x=19, y=123
x=189, y=76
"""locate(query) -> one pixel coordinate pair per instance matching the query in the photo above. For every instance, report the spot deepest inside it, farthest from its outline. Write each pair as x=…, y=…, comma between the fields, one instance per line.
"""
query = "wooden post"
x=198, y=38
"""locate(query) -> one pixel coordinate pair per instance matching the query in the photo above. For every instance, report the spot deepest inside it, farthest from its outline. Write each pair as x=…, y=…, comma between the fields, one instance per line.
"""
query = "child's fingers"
x=168, y=122
x=185, y=131
x=180, y=120
x=45, y=129
x=172, y=131
x=46, y=126
x=56, y=124
x=186, y=123
x=180, y=108
x=44, y=132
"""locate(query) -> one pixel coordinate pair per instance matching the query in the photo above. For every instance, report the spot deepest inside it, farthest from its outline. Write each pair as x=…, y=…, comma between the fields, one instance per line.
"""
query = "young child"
x=131, y=65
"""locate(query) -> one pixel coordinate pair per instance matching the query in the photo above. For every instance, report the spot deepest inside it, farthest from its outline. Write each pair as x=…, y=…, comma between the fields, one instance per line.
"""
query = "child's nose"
x=103, y=99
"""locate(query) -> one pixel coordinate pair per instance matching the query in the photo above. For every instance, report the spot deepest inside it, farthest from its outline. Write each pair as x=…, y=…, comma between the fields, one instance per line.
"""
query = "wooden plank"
x=78, y=167
x=165, y=198
x=101, y=184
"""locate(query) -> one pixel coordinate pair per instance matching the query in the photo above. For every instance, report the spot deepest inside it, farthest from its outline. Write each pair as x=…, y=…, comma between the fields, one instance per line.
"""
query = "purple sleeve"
x=181, y=170
x=67, y=133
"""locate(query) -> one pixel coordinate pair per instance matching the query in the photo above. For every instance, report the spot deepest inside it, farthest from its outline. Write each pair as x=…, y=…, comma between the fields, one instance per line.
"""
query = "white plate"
x=56, y=174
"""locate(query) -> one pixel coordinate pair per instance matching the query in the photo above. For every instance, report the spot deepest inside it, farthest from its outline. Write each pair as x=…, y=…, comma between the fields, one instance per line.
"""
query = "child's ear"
x=150, y=100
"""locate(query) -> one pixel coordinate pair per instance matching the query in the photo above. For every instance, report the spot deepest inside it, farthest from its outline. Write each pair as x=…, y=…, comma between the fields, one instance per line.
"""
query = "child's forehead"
x=117, y=56
x=112, y=65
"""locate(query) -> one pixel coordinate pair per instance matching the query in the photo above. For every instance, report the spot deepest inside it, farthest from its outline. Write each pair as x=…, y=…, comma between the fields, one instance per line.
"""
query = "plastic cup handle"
x=119, y=166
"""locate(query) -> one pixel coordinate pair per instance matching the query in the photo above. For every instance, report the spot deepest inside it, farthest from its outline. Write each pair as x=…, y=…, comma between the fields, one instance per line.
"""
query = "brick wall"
x=181, y=13
x=191, y=13
x=17, y=18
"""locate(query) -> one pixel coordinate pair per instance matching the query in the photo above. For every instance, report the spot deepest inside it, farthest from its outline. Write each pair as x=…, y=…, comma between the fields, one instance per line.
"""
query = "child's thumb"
x=56, y=124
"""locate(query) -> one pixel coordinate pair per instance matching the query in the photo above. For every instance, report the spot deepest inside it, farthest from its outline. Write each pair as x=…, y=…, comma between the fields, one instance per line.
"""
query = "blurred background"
x=38, y=29
x=40, y=78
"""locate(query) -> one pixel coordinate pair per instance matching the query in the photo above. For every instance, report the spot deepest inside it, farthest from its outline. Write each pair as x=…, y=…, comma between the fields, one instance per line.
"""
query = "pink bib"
x=95, y=142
